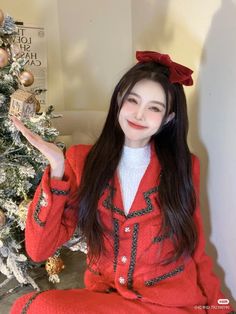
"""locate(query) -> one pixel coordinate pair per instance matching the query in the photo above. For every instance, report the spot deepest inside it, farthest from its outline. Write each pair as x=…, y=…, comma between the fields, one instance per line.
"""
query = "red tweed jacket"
x=132, y=242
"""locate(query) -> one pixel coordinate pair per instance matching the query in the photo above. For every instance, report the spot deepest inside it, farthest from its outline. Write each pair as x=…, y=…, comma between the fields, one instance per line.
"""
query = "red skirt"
x=83, y=301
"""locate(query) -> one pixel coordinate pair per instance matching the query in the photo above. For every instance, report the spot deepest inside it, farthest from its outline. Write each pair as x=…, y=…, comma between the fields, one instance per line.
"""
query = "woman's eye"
x=132, y=100
x=155, y=109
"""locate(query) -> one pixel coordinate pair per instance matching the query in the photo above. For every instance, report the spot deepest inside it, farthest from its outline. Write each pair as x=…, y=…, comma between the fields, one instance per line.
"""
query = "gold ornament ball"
x=3, y=58
x=54, y=265
x=26, y=78
x=1, y=17
x=23, y=210
x=2, y=218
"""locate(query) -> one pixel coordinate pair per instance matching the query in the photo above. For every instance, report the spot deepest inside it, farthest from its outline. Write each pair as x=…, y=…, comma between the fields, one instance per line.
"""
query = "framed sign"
x=31, y=40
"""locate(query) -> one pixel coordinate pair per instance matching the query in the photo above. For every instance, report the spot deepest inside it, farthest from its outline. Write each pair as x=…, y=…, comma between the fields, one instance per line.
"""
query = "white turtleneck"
x=131, y=168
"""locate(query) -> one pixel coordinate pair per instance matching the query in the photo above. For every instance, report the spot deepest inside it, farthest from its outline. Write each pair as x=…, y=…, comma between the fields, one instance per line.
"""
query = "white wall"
x=96, y=48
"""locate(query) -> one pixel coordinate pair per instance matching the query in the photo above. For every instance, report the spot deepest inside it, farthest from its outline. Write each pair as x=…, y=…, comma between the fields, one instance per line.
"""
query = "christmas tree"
x=21, y=165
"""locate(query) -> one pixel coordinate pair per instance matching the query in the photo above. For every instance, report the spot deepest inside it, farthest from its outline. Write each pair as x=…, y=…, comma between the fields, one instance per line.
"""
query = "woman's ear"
x=170, y=117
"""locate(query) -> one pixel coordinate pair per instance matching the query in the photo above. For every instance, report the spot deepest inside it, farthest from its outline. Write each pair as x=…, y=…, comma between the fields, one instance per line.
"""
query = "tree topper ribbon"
x=178, y=72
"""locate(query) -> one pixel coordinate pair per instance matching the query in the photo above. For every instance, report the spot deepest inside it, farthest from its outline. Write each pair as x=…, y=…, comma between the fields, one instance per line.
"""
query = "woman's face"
x=142, y=112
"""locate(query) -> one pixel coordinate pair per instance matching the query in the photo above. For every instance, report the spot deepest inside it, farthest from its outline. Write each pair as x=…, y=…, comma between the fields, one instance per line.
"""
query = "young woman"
x=135, y=196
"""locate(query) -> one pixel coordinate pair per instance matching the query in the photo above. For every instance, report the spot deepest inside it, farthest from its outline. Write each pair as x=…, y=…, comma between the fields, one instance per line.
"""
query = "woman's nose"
x=140, y=113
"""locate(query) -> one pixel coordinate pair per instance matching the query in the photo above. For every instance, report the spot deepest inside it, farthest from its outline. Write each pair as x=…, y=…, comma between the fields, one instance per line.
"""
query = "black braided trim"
x=31, y=299
x=139, y=296
x=170, y=274
x=110, y=290
x=109, y=204
x=59, y=192
x=116, y=242
x=161, y=237
x=133, y=256
x=37, y=210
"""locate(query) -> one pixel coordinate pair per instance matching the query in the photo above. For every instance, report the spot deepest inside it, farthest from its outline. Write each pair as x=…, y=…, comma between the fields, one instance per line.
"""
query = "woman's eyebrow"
x=153, y=101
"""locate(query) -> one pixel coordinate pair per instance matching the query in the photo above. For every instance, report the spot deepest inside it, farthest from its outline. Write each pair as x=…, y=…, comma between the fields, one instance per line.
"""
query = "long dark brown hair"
x=176, y=195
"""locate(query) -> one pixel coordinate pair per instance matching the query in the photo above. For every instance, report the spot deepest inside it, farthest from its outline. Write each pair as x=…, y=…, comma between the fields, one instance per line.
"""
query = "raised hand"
x=49, y=150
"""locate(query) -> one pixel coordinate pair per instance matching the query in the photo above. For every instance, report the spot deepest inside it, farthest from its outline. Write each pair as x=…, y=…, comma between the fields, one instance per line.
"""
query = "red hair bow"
x=178, y=72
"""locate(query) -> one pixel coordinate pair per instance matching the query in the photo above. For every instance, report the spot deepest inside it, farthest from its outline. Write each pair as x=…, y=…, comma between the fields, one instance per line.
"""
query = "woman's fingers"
x=31, y=137
x=19, y=125
x=49, y=150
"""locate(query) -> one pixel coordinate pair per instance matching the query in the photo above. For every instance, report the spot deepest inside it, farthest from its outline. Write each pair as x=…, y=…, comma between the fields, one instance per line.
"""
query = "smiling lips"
x=136, y=126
